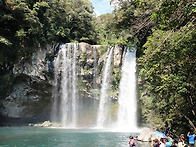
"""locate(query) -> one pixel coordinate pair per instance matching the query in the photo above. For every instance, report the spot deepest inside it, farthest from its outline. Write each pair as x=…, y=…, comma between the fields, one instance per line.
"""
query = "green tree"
x=169, y=67
x=163, y=32
x=27, y=25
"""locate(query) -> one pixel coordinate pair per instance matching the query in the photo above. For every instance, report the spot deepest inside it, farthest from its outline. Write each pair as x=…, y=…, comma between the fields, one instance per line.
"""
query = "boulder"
x=145, y=135
x=47, y=124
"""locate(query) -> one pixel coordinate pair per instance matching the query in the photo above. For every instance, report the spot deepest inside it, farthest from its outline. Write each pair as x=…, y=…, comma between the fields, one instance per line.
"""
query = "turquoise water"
x=58, y=137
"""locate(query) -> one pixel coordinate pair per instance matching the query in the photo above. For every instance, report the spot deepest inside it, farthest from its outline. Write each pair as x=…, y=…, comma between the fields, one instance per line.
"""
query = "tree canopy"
x=27, y=25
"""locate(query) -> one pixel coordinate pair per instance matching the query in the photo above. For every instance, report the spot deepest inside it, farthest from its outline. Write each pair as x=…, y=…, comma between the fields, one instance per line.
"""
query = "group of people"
x=164, y=142
x=170, y=142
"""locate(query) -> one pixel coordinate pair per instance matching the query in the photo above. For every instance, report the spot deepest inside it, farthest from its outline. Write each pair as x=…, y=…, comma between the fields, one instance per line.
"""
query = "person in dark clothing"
x=156, y=143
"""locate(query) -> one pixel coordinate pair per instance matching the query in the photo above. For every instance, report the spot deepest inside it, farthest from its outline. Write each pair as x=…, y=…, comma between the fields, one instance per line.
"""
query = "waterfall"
x=66, y=71
x=68, y=86
x=74, y=90
x=104, y=103
x=71, y=81
x=95, y=72
x=127, y=103
x=54, y=113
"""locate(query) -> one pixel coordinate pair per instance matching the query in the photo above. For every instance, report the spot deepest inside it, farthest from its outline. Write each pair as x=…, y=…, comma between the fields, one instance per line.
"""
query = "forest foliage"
x=27, y=25
x=164, y=32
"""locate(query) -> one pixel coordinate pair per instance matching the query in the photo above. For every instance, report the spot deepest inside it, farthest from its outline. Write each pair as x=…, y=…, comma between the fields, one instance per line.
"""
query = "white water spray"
x=66, y=106
x=104, y=103
x=95, y=72
x=65, y=69
x=127, y=103
x=74, y=86
x=54, y=114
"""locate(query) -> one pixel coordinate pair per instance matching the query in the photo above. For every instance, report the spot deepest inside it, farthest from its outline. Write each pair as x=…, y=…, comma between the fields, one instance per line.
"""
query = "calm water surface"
x=58, y=137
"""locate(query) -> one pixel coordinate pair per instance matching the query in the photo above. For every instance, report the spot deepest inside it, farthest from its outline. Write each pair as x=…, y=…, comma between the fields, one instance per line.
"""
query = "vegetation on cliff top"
x=28, y=25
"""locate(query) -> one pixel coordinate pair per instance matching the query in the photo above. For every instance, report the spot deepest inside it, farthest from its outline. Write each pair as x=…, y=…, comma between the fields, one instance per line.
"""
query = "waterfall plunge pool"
x=60, y=137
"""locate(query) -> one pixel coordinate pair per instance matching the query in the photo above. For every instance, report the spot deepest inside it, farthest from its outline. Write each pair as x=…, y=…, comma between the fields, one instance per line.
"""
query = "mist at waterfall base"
x=76, y=112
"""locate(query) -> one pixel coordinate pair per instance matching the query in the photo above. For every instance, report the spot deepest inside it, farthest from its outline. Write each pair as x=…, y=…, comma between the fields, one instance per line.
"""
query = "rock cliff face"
x=31, y=92
x=30, y=99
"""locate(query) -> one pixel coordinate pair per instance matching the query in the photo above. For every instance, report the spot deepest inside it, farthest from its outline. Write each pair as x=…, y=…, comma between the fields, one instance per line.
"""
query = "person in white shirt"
x=162, y=141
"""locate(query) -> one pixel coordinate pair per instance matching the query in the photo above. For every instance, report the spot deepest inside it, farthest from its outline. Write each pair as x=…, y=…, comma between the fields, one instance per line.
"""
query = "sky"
x=102, y=6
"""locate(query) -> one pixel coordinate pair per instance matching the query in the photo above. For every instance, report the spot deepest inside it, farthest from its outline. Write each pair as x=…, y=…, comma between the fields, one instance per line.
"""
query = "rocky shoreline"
x=46, y=124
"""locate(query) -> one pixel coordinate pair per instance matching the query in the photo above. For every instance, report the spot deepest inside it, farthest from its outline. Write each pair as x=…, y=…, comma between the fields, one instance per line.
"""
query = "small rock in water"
x=46, y=124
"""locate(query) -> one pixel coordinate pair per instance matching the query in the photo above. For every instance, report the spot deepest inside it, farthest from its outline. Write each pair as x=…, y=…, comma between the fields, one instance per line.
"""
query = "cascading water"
x=54, y=113
x=104, y=103
x=74, y=88
x=66, y=71
x=127, y=103
x=95, y=72
x=70, y=83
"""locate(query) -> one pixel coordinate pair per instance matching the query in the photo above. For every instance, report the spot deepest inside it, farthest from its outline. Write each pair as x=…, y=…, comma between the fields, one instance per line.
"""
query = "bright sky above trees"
x=102, y=6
